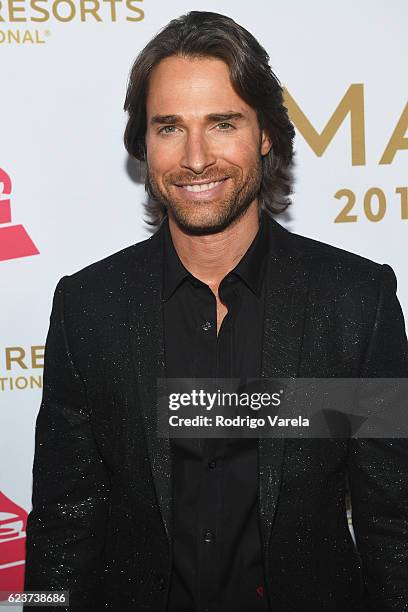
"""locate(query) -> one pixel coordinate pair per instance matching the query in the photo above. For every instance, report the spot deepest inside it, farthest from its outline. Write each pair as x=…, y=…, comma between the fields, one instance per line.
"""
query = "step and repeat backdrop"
x=69, y=195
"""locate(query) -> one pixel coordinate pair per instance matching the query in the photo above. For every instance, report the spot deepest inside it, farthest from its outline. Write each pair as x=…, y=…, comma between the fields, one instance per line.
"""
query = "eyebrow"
x=170, y=119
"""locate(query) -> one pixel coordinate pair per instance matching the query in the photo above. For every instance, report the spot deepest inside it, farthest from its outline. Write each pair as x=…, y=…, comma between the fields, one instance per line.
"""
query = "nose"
x=198, y=154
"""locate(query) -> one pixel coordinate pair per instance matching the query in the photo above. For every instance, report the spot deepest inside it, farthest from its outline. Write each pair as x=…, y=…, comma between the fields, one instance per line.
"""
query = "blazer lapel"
x=147, y=342
x=285, y=306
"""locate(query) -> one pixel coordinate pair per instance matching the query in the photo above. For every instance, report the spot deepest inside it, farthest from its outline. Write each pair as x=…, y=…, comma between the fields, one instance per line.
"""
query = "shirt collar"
x=250, y=268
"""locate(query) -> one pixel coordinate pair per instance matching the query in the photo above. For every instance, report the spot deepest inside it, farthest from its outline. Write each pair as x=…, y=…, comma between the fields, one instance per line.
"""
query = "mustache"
x=191, y=179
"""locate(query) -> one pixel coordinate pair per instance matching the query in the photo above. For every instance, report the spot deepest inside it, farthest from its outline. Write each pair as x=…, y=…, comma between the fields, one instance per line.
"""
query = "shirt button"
x=208, y=537
x=212, y=463
x=162, y=583
x=206, y=326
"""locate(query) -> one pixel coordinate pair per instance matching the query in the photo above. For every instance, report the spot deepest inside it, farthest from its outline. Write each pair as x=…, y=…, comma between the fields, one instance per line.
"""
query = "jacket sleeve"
x=70, y=498
x=378, y=469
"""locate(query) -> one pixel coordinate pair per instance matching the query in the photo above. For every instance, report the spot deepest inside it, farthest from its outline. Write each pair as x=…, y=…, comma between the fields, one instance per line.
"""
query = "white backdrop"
x=62, y=91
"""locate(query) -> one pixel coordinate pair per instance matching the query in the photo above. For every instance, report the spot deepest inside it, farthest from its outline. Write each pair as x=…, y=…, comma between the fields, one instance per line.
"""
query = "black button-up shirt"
x=217, y=551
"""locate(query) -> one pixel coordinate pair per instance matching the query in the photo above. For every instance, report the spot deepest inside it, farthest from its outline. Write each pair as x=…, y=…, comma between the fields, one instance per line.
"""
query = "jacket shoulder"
x=331, y=265
x=317, y=251
x=114, y=268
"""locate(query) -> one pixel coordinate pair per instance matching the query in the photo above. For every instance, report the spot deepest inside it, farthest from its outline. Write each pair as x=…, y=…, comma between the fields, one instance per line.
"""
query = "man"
x=127, y=520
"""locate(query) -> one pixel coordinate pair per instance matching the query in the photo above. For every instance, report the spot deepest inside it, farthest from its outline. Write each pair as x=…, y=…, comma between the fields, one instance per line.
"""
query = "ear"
x=266, y=143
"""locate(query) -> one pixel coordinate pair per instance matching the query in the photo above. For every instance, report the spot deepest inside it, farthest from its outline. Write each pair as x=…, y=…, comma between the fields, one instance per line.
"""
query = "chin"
x=198, y=227
x=195, y=223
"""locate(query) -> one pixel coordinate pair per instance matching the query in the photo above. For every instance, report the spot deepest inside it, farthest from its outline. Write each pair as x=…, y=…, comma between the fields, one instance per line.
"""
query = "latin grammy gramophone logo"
x=13, y=523
x=14, y=240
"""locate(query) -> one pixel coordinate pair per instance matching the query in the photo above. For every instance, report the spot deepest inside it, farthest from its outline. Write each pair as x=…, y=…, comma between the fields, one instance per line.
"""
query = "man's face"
x=204, y=144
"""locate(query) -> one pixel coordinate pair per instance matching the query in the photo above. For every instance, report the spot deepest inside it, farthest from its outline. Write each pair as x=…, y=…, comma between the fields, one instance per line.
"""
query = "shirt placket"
x=213, y=460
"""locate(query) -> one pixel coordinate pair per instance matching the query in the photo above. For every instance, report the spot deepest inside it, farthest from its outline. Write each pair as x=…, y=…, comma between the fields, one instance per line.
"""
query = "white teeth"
x=204, y=187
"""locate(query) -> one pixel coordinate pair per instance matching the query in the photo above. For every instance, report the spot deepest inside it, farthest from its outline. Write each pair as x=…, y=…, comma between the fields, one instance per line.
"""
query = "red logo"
x=13, y=521
x=260, y=590
x=14, y=240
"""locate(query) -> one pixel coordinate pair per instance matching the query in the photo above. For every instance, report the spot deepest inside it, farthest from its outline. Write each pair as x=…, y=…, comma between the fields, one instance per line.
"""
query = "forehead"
x=184, y=86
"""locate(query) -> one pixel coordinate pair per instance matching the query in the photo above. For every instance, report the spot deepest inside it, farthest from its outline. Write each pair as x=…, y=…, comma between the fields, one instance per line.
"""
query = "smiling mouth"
x=199, y=187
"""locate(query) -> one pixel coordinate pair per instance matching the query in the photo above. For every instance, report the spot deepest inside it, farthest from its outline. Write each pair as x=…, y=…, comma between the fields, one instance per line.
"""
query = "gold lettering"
x=344, y=216
x=39, y=9
x=15, y=9
x=1, y=6
x=24, y=383
x=398, y=141
x=56, y=14
x=36, y=381
x=21, y=383
x=113, y=8
x=403, y=192
x=93, y=11
x=27, y=37
x=37, y=38
x=10, y=358
x=140, y=12
x=352, y=103
x=37, y=356
x=13, y=35
x=368, y=199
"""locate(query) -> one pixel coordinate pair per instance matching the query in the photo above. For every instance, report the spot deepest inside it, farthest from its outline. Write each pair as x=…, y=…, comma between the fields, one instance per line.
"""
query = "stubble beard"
x=211, y=216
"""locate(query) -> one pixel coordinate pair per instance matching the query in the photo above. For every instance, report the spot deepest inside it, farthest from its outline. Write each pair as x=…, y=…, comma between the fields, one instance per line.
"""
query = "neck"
x=210, y=257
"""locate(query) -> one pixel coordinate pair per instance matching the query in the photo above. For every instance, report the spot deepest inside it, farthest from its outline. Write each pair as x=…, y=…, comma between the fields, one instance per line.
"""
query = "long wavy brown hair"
x=205, y=34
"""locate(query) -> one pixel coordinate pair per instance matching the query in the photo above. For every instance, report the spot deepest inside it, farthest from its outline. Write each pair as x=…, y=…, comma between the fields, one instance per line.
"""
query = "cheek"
x=161, y=156
x=243, y=145
x=242, y=152
x=157, y=160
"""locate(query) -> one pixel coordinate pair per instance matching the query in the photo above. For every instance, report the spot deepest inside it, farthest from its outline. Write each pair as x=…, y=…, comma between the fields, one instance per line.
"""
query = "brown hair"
x=205, y=34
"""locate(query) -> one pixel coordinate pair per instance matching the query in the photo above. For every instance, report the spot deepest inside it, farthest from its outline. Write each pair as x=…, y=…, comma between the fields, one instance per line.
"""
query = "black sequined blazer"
x=100, y=523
